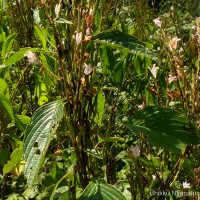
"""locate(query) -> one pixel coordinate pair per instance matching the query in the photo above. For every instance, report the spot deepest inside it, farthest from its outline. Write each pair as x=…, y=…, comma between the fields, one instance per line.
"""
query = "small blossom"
x=31, y=58
x=87, y=38
x=154, y=177
x=78, y=37
x=193, y=27
x=186, y=185
x=158, y=48
x=87, y=69
x=154, y=70
x=135, y=151
x=141, y=106
x=57, y=10
x=88, y=31
x=173, y=43
x=91, y=11
x=157, y=22
x=83, y=81
x=172, y=78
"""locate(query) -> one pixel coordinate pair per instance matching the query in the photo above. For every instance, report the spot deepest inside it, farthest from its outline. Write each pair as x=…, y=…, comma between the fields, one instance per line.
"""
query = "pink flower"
x=172, y=78
x=57, y=9
x=78, y=37
x=154, y=70
x=157, y=22
x=31, y=58
x=172, y=44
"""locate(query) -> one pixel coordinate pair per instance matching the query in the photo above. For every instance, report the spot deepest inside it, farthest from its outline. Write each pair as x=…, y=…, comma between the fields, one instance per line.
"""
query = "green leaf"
x=114, y=139
x=41, y=92
x=4, y=90
x=38, y=136
x=118, y=72
x=41, y=36
x=6, y=106
x=21, y=121
x=17, y=56
x=7, y=44
x=53, y=176
x=100, y=108
x=124, y=42
x=15, y=159
x=3, y=156
x=101, y=191
x=94, y=152
x=165, y=128
x=57, y=184
x=63, y=21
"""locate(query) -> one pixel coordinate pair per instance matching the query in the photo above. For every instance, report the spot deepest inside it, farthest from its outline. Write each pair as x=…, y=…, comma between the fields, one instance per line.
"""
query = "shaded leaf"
x=101, y=191
x=3, y=156
x=6, y=106
x=124, y=42
x=165, y=128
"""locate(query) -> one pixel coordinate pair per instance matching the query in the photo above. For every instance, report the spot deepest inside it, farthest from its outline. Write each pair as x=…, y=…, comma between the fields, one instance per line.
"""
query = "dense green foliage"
x=99, y=99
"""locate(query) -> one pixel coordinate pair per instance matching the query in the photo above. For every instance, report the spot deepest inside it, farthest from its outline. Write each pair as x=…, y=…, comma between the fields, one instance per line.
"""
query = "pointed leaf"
x=6, y=106
x=165, y=128
x=21, y=121
x=15, y=158
x=41, y=36
x=101, y=191
x=124, y=42
x=100, y=108
x=4, y=90
x=38, y=135
x=17, y=56
x=7, y=44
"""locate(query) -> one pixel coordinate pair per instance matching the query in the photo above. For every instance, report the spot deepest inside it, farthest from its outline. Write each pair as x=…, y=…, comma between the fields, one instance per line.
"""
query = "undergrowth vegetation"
x=99, y=99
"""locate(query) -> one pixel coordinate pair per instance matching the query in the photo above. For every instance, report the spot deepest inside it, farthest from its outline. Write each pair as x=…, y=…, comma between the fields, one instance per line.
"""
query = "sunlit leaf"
x=15, y=159
x=8, y=44
x=38, y=136
x=21, y=121
x=100, y=108
x=4, y=90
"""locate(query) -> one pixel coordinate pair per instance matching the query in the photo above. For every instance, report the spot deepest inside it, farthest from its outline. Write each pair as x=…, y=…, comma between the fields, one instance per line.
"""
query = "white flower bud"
x=157, y=22
x=57, y=10
x=31, y=58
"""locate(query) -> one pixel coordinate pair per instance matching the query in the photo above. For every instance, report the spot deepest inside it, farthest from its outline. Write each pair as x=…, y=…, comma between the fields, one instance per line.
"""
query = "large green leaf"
x=101, y=191
x=124, y=42
x=165, y=128
x=38, y=135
